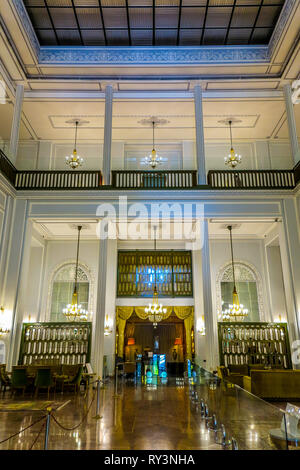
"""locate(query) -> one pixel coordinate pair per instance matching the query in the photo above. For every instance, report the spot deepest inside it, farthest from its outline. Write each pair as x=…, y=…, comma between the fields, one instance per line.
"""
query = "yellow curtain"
x=123, y=313
x=184, y=313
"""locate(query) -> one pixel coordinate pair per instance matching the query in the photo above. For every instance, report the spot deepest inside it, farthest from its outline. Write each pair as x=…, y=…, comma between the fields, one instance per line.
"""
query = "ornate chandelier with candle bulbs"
x=74, y=310
x=235, y=311
x=74, y=160
x=233, y=159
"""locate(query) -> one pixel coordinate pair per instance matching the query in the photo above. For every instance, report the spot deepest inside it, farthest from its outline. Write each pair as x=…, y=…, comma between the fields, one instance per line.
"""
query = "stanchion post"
x=116, y=382
x=98, y=400
x=47, y=430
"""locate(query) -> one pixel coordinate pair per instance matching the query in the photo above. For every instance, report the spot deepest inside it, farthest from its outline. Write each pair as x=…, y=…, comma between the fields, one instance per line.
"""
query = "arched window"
x=248, y=286
x=63, y=287
x=2, y=352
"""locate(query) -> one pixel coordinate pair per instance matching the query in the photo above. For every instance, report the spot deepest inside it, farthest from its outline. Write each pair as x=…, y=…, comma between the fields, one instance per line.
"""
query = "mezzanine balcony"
x=148, y=180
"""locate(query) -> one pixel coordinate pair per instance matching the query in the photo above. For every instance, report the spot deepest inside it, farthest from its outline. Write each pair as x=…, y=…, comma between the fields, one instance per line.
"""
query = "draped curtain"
x=184, y=313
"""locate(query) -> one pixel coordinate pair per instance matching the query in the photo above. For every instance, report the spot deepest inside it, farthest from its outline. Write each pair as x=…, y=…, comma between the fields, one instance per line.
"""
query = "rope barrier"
x=77, y=425
x=22, y=430
x=38, y=435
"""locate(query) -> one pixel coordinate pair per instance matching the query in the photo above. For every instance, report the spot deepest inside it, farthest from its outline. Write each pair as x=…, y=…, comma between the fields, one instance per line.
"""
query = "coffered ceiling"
x=148, y=23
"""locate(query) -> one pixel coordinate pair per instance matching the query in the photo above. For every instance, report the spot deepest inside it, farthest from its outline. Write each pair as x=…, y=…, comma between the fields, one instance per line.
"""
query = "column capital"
x=109, y=85
x=296, y=92
x=197, y=84
x=287, y=92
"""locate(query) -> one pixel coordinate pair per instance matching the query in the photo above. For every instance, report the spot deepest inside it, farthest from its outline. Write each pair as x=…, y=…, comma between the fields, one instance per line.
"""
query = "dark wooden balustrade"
x=162, y=179
x=171, y=179
x=58, y=179
x=7, y=168
x=252, y=179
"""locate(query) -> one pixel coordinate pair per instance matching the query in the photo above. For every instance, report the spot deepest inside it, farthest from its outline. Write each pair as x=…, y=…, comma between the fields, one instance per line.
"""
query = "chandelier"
x=236, y=311
x=233, y=158
x=74, y=160
x=153, y=159
x=155, y=311
x=74, y=311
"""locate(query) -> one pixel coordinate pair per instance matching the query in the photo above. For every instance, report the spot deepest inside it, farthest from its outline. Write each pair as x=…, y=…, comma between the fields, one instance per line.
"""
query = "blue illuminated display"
x=154, y=275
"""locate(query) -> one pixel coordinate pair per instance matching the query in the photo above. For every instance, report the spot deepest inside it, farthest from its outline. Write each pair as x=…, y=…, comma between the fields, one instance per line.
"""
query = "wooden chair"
x=75, y=382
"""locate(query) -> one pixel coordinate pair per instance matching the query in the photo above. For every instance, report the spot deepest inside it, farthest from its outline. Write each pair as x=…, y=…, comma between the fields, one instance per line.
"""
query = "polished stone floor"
x=141, y=417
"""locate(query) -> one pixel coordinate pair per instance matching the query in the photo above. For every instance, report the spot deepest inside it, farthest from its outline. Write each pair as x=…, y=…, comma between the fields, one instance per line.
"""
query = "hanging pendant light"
x=236, y=311
x=74, y=160
x=233, y=158
x=153, y=159
x=155, y=311
x=74, y=311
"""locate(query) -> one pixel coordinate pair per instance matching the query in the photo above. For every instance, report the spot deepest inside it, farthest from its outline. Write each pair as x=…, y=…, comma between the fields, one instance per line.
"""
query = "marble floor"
x=140, y=417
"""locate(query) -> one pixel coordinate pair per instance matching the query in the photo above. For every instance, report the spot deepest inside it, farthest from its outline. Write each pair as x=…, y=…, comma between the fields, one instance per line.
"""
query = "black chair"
x=19, y=379
x=4, y=378
x=43, y=379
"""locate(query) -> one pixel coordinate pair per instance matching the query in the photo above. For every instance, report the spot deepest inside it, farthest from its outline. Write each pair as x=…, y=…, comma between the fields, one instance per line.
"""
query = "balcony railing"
x=163, y=179
x=171, y=179
x=7, y=168
x=58, y=179
x=252, y=179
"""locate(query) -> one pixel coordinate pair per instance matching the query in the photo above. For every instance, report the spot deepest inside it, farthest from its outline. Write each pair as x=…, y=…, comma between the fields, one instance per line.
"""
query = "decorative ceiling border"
x=27, y=25
x=157, y=55
x=149, y=55
x=280, y=25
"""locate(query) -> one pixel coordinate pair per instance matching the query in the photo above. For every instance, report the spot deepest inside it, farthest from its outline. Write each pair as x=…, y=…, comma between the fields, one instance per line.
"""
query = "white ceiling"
x=46, y=120
x=57, y=230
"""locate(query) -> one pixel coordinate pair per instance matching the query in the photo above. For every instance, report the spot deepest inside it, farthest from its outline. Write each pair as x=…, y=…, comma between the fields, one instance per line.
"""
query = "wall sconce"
x=201, y=326
x=3, y=329
x=279, y=319
x=107, y=327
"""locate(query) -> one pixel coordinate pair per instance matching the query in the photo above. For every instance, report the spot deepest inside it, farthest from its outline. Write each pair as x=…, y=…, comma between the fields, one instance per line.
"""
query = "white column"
x=289, y=250
x=107, y=134
x=5, y=240
x=200, y=151
x=20, y=309
x=98, y=340
x=206, y=346
x=12, y=278
x=15, y=129
x=110, y=303
x=287, y=91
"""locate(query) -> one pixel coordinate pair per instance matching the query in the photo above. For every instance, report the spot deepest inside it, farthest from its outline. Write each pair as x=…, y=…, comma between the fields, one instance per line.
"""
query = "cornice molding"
x=280, y=25
x=102, y=56
x=27, y=25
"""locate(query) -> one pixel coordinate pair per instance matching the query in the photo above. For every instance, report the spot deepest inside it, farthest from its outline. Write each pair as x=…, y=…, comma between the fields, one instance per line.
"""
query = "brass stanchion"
x=116, y=395
x=47, y=428
x=98, y=400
